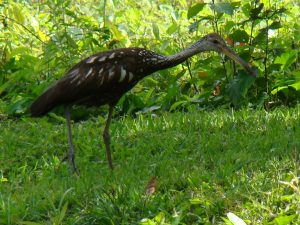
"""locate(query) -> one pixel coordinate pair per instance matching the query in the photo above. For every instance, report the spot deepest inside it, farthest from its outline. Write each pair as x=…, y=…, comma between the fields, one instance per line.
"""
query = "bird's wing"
x=97, y=74
x=103, y=75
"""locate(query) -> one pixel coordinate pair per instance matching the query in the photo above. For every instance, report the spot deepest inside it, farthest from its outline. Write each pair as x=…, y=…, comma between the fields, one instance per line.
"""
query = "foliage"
x=211, y=167
x=41, y=40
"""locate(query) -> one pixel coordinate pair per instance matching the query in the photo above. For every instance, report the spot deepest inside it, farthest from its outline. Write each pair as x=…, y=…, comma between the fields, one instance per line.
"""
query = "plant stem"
x=215, y=21
x=24, y=27
x=266, y=58
x=104, y=14
x=266, y=103
x=190, y=72
x=188, y=64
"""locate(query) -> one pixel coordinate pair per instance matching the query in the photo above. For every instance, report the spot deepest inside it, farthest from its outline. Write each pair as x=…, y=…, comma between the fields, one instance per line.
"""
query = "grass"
x=207, y=164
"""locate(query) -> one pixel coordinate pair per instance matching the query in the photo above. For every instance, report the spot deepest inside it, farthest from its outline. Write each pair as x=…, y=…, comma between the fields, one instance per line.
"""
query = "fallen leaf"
x=235, y=219
x=151, y=186
x=217, y=90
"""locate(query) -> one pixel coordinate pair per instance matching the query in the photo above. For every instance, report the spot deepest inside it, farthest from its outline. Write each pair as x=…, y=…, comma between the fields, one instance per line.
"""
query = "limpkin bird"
x=104, y=77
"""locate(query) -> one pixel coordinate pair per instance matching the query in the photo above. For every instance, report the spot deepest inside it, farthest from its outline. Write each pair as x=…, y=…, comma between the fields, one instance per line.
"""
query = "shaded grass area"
x=206, y=163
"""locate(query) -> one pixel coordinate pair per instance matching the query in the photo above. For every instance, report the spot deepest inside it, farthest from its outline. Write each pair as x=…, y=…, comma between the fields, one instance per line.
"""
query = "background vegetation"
x=209, y=161
x=40, y=40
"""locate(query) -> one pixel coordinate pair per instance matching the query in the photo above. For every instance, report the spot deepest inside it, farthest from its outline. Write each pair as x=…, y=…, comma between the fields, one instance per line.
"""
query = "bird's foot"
x=73, y=165
x=71, y=159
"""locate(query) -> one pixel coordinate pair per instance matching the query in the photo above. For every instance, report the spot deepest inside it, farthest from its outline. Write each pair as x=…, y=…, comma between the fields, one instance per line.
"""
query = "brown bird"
x=104, y=77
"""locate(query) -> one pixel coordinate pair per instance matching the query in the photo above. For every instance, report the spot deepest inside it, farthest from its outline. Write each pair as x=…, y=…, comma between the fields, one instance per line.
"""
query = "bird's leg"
x=71, y=153
x=106, y=137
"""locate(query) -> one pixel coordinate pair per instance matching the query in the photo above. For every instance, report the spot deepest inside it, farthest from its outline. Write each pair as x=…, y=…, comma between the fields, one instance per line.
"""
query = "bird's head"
x=213, y=42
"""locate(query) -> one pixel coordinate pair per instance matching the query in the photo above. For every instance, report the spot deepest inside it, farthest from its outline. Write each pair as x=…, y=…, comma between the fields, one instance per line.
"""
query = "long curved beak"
x=231, y=54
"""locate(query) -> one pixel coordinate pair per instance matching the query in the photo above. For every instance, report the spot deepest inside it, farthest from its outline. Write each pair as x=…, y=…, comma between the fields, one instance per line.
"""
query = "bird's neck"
x=180, y=57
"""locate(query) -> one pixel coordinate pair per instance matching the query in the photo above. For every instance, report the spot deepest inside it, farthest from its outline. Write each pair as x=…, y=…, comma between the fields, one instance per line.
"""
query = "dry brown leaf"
x=151, y=186
x=217, y=91
x=202, y=74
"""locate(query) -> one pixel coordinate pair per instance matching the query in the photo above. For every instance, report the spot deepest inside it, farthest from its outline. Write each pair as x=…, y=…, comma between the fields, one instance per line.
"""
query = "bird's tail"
x=44, y=103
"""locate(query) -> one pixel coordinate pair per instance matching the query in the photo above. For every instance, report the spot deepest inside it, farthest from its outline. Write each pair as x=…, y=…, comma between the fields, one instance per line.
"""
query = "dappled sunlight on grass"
x=206, y=165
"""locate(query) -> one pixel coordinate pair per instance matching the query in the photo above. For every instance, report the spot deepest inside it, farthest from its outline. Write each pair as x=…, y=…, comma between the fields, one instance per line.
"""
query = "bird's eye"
x=215, y=41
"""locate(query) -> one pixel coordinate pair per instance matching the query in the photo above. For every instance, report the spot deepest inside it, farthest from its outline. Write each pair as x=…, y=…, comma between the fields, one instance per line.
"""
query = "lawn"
x=206, y=163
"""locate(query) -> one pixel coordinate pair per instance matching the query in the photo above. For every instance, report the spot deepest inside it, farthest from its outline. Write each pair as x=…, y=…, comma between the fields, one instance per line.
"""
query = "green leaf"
x=260, y=38
x=19, y=106
x=275, y=25
x=172, y=92
x=195, y=9
x=148, y=95
x=58, y=118
x=63, y=213
x=147, y=222
x=70, y=13
x=18, y=14
x=195, y=201
x=227, y=221
x=229, y=24
x=246, y=9
x=172, y=29
x=114, y=30
x=239, y=36
x=281, y=10
x=286, y=198
x=3, y=87
x=176, y=105
x=155, y=31
x=256, y=11
x=238, y=88
x=245, y=82
x=223, y=7
x=19, y=51
x=71, y=41
x=276, y=90
x=262, y=98
x=296, y=86
x=286, y=59
x=63, y=197
x=194, y=26
x=151, y=81
x=284, y=220
x=3, y=179
x=160, y=217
